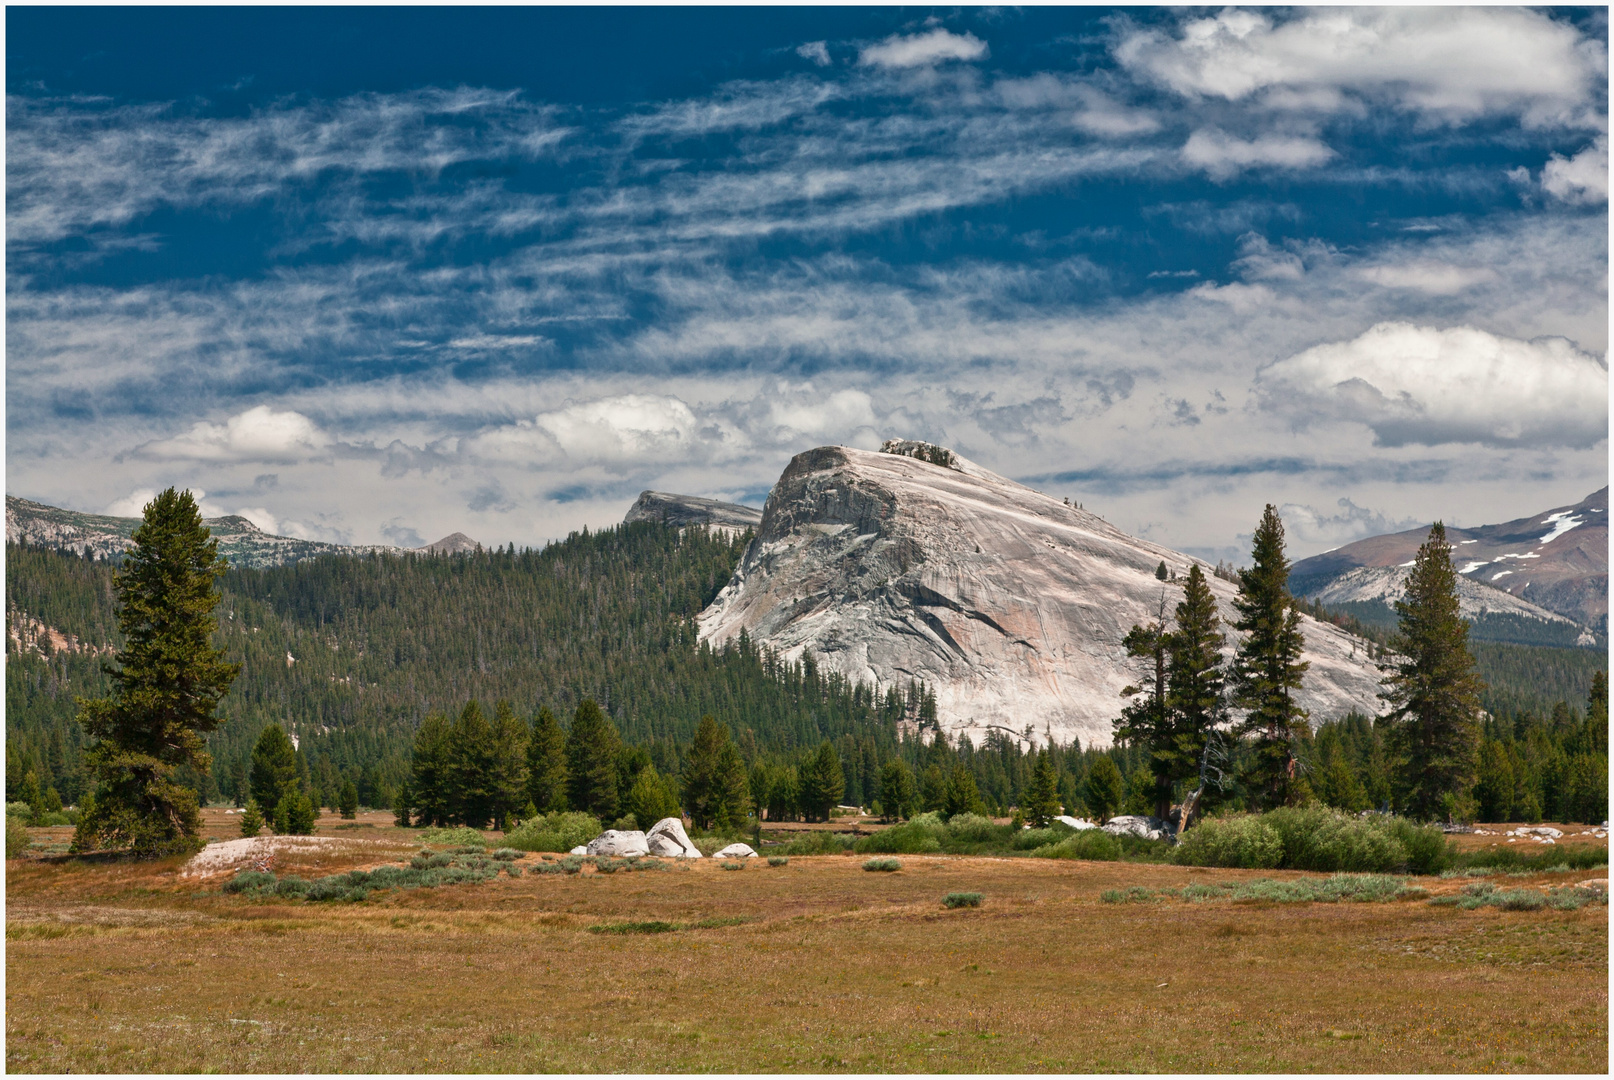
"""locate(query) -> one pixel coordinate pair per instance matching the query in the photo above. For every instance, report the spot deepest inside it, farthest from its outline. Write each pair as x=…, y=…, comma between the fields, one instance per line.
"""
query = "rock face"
x=1075, y=822
x=728, y=518
x=1557, y=560
x=735, y=851
x=618, y=843
x=668, y=838
x=1009, y=603
x=103, y=536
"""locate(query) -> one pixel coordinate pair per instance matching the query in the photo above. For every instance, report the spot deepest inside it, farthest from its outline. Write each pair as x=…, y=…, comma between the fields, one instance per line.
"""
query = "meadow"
x=813, y=965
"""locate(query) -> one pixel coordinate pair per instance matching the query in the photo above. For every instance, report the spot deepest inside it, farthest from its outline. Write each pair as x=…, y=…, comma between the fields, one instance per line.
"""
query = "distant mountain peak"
x=456, y=543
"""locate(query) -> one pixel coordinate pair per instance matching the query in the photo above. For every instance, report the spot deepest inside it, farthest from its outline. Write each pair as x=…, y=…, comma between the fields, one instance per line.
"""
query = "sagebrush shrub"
x=1314, y=838
x=1092, y=844
x=819, y=843
x=249, y=880
x=558, y=832
x=886, y=865
x=778, y=860
x=974, y=827
x=962, y=899
x=913, y=838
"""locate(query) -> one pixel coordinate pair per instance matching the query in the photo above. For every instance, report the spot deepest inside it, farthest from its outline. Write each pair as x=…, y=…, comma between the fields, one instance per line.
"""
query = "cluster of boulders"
x=666, y=838
x=1149, y=828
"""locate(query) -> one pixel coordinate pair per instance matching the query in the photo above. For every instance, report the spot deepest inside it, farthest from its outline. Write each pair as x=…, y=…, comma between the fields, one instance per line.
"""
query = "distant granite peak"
x=453, y=544
x=682, y=510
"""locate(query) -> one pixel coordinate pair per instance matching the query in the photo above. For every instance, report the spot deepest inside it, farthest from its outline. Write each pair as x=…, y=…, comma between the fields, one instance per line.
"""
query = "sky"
x=377, y=275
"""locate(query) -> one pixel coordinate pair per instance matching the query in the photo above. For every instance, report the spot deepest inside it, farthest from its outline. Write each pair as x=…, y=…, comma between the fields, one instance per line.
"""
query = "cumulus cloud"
x=1418, y=384
x=1446, y=64
x=1581, y=180
x=1346, y=524
x=134, y=505
x=258, y=434
x=922, y=50
x=1223, y=156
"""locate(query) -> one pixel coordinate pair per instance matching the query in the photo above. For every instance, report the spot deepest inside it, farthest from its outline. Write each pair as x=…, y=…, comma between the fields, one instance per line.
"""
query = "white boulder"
x=1540, y=830
x=579, y=850
x=735, y=851
x=1150, y=828
x=1075, y=822
x=618, y=843
x=668, y=839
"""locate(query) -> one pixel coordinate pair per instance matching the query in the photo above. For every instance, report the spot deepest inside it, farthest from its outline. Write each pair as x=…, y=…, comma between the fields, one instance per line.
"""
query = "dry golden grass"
x=126, y=967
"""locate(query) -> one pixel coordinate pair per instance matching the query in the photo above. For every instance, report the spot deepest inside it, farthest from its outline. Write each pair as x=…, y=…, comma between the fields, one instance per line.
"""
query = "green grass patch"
x=1337, y=888
x=778, y=860
x=1480, y=894
x=961, y=900
x=886, y=865
x=651, y=927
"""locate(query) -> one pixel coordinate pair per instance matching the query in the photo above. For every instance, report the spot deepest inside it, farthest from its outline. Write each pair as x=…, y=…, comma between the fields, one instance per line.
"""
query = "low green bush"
x=508, y=854
x=1337, y=888
x=557, y=832
x=886, y=865
x=21, y=811
x=50, y=818
x=458, y=837
x=819, y=843
x=733, y=864
x=1031, y=839
x=247, y=880
x=1486, y=894
x=912, y=838
x=962, y=899
x=17, y=838
x=778, y=860
x=975, y=828
x=1092, y=844
x=1315, y=838
x=291, y=885
x=1570, y=857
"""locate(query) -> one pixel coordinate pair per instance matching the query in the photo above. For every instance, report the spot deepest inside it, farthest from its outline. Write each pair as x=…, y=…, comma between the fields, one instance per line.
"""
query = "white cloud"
x=1417, y=384
x=132, y=504
x=1103, y=116
x=1429, y=276
x=1581, y=180
x=1447, y=64
x=920, y=50
x=1223, y=156
x=258, y=434
x=816, y=51
x=1349, y=523
x=631, y=427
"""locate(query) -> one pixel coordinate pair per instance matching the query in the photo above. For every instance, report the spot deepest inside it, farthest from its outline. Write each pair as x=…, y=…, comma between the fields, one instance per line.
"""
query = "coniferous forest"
x=352, y=655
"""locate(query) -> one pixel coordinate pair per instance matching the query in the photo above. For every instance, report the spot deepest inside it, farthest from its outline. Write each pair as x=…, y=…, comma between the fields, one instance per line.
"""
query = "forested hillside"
x=351, y=654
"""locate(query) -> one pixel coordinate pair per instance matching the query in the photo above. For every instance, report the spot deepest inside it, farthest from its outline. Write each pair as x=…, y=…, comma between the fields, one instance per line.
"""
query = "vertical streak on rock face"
x=1009, y=603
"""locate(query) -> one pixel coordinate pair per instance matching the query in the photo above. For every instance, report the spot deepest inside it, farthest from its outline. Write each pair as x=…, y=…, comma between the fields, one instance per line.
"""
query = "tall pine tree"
x=591, y=749
x=167, y=684
x=1041, y=802
x=1194, y=677
x=507, y=768
x=546, y=763
x=1432, y=688
x=1267, y=668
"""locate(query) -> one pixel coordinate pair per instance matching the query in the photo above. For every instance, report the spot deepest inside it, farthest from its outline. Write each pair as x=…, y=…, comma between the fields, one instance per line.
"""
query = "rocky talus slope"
x=1556, y=560
x=1010, y=603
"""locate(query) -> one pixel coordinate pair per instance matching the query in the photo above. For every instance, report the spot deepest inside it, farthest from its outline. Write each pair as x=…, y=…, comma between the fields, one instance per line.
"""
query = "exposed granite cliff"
x=659, y=506
x=1010, y=603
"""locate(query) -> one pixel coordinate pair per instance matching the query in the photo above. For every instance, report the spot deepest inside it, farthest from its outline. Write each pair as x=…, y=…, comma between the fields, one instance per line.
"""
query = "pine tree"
x=591, y=749
x=403, y=804
x=166, y=687
x=1041, y=801
x=1194, y=679
x=732, y=794
x=651, y=798
x=1146, y=722
x=1432, y=687
x=470, y=755
x=546, y=763
x=274, y=767
x=932, y=788
x=1267, y=668
x=251, y=819
x=896, y=789
x=347, y=800
x=963, y=795
x=507, y=766
x=431, y=766
x=822, y=783
x=700, y=780
x=1104, y=790
x=1495, y=784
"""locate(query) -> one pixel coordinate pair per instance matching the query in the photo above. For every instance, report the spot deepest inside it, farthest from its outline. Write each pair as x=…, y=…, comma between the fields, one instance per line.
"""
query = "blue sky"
x=375, y=275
